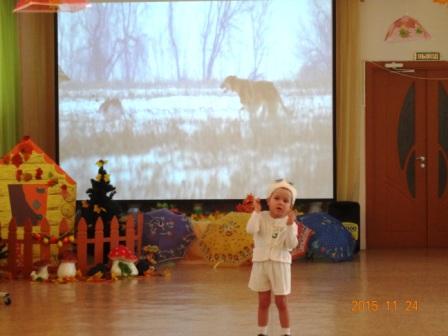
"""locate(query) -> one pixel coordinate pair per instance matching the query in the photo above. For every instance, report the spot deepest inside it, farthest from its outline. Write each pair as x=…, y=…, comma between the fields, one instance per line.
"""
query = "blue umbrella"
x=169, y=231
x=331, y=240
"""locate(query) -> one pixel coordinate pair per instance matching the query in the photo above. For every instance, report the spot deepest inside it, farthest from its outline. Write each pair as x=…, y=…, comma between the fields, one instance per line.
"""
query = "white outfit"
x=273, y=241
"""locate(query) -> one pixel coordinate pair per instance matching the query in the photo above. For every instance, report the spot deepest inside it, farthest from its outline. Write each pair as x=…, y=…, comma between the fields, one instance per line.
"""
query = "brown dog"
x=255, y=95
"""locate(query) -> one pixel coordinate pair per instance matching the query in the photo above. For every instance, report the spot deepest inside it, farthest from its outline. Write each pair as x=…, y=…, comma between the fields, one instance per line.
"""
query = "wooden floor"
x=382, y=292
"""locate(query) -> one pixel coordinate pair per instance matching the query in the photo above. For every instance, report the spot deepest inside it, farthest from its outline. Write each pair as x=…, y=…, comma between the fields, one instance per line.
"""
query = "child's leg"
x=281, y=301
x=264, y=301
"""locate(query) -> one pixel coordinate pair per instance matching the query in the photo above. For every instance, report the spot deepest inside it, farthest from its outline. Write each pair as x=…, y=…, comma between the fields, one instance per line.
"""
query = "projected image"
x=198, y=99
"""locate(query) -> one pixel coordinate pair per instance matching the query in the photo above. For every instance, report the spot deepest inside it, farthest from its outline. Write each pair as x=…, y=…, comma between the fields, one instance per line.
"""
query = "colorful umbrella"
x=194, y=251
x=331, y=240
x=171, y=232
x=226, y=242
x=304, y=234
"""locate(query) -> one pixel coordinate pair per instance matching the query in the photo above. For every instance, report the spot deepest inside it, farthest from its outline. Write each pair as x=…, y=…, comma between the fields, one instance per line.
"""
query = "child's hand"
x=257, y=205
x=292, y=214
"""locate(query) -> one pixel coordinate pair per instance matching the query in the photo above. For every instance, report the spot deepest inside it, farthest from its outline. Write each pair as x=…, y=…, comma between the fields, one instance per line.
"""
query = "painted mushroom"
x=67, y=266
x=41, y=272
x=123, y=260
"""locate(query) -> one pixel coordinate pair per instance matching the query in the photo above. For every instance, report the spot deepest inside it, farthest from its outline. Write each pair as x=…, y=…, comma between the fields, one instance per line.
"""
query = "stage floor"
x=382, y=292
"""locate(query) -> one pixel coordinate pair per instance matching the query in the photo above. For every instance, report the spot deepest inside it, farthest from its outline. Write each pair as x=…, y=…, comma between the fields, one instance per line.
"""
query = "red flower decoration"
x=26, y=149
x=19, y=173
x=64, y=192
x=38, y=174
x=16, y=160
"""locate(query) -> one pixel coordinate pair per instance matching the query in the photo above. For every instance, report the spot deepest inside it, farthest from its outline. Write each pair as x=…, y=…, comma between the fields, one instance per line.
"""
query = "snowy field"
x=194, y=144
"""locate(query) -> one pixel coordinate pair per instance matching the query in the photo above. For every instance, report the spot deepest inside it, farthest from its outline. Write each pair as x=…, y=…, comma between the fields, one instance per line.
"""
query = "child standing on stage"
x=275, y=235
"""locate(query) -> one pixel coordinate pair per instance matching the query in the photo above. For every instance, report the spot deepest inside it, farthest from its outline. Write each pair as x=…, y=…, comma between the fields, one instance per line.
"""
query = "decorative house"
x=33, y=186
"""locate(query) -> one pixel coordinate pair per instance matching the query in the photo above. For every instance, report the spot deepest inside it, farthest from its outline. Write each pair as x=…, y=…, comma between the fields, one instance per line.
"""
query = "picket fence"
x=23, y=248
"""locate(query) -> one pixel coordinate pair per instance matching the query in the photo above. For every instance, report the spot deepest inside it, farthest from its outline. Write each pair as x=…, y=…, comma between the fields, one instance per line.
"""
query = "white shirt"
x=273, y=238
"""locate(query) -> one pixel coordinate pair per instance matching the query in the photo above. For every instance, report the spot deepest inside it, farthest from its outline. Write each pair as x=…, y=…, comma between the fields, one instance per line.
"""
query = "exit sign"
x=427, y=56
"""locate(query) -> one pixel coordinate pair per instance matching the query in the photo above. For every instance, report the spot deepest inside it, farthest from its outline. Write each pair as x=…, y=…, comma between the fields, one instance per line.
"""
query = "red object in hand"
x=247, y=205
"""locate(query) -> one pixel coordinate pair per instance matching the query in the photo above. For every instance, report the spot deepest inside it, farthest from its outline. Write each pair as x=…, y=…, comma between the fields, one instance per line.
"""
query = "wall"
x=377, y=15
x=375, y=19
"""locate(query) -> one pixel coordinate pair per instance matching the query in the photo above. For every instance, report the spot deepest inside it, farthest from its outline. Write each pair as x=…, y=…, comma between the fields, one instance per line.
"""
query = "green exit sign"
x=427, y=56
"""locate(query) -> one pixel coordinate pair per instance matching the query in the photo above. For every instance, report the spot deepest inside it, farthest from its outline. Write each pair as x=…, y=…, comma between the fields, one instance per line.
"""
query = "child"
x=275, y=235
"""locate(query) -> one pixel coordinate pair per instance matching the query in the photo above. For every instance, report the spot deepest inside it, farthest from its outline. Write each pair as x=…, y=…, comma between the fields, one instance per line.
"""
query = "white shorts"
x=271, y=276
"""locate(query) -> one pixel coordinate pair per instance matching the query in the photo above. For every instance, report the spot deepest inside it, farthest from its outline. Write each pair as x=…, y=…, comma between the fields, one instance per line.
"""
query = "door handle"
x=422, y=160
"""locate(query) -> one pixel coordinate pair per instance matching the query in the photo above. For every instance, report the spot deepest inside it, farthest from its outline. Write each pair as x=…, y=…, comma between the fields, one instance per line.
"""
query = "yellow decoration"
x=70, y=197
x=353, y=228
x=198, y=227
x=67, y=210
x=98, y=209
x=28, y=165
x=101, y=163
x=226, y=242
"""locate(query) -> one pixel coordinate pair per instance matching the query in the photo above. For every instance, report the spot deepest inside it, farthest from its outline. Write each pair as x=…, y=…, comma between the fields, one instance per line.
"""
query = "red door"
x=437, y=151
x=406, y=156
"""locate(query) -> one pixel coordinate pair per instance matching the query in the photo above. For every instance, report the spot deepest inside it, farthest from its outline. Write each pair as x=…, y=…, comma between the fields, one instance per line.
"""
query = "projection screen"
x=197, y=99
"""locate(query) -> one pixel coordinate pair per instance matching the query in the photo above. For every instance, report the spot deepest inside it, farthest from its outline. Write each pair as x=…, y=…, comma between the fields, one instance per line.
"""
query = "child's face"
x=279, y=203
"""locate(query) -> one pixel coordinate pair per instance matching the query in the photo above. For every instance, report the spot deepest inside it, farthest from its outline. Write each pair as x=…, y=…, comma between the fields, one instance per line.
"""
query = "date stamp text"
x=392, y=305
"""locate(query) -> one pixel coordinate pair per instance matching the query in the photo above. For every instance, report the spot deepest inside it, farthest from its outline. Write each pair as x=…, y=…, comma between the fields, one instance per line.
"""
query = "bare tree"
x=157, y=57
x=316, y=42
x=131, y=42
x=67, y=51
x=218, y=23
x=109, y=38
x=100, y=57
x=173, y=42
x=258, y=19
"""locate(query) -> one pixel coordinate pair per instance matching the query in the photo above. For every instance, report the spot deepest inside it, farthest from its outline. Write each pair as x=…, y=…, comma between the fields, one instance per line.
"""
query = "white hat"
x=282, y=183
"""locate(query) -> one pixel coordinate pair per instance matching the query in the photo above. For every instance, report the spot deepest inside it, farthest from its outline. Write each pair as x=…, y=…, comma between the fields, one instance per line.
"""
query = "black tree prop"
x=100, y=203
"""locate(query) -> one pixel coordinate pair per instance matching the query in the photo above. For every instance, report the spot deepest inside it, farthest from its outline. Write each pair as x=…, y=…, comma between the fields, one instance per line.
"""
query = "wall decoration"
x=406, y=28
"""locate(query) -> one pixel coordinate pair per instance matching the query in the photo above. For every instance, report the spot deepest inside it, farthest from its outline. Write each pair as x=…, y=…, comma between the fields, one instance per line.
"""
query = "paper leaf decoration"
x=406, y=28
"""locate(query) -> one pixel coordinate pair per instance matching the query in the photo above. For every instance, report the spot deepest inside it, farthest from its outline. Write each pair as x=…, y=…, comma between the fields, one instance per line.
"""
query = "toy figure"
x=148, y=265
x=41, y=272
x=123, y=260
